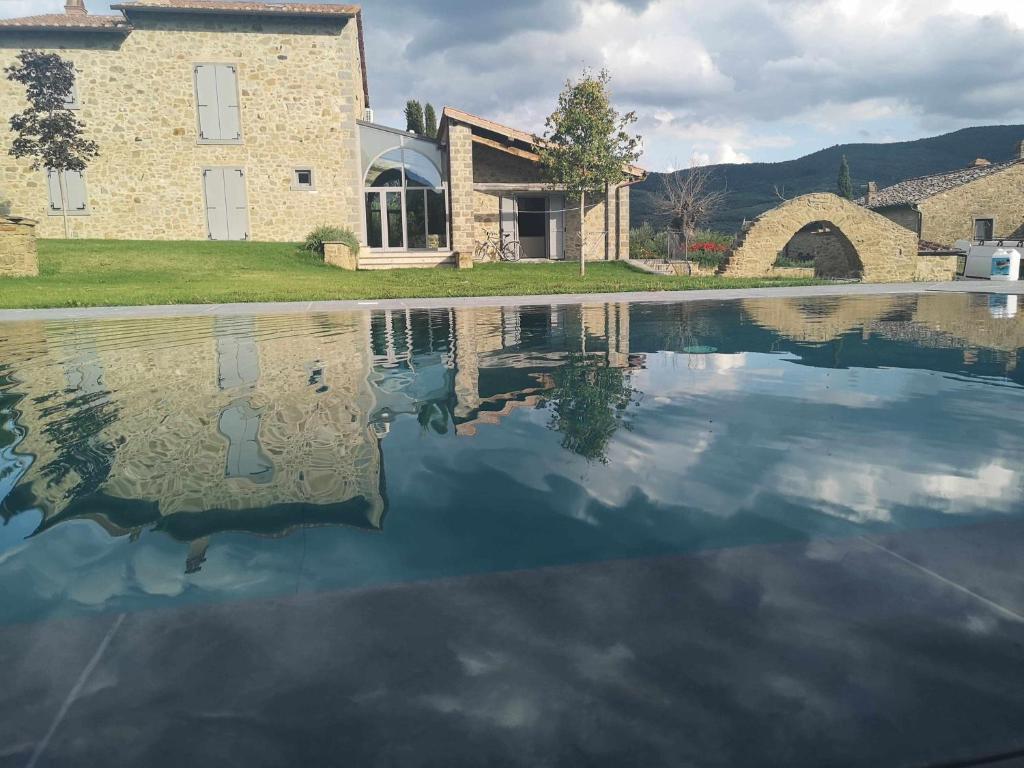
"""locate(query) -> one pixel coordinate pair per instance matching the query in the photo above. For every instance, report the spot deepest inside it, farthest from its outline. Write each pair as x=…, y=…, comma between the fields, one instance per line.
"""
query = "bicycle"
x=494, y=248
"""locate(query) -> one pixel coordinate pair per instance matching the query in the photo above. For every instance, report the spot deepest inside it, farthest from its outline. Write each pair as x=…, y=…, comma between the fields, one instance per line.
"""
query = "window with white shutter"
x=217, y=104
x=74, y=188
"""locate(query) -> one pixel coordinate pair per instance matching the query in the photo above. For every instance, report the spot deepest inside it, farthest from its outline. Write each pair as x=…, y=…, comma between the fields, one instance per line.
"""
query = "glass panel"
x=983, y=229
x=374, y=233
x=419, y=171
x=437, y=216
x=416, y=218
x=386, y=170
x=394, y=203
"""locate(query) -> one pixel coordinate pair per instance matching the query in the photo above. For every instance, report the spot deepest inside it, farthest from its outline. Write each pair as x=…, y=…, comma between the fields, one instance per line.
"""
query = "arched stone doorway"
x=869, y=243
x=823, y=247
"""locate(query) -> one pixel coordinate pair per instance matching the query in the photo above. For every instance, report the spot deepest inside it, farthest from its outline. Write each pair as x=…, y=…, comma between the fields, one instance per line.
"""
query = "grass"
x=89, y=273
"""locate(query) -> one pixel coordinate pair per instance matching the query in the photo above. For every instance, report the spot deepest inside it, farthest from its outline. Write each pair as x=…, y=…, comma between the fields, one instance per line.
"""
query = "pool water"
x=602, y=534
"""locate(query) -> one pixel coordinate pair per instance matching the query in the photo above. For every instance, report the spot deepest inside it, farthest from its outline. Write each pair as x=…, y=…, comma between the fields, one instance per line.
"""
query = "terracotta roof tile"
x=62, y=21
x=915, y=190
x=223, y=6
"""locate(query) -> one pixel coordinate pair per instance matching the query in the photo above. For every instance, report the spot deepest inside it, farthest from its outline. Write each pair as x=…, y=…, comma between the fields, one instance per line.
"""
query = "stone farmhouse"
x=251, y=121
x=984, y=201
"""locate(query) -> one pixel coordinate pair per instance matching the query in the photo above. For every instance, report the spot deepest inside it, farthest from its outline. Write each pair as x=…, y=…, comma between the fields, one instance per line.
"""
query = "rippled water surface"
x=546, y=535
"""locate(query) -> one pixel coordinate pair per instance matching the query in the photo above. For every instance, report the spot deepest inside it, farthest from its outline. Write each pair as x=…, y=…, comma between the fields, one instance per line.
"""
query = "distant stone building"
x=227, y=120
x=984, y=201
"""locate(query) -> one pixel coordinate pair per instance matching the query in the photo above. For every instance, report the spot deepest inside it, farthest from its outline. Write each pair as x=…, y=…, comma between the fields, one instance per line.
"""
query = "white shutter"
x=508, y=217
x=227, y=100
x=207, y=103
x=53, y=187
x=556, y=227
x=216, y=204
x=74, y=185
x=237, y=204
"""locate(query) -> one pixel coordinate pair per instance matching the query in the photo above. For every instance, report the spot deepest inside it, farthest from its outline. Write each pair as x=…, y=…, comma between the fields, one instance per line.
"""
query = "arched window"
x=405, y=202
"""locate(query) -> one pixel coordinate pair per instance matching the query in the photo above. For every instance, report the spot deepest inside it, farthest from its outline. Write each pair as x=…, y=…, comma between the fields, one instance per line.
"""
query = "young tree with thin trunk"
x=586, y=146
x=414, y=117
x=47, y=132
x=429, y=121
x=844, y=186
x=688, y=200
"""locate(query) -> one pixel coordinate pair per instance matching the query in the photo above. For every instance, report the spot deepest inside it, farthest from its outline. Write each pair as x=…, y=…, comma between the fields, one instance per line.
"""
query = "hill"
x=751, y=186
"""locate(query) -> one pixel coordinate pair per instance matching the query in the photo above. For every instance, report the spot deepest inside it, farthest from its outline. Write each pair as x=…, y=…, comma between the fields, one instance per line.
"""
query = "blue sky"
x=728, y=81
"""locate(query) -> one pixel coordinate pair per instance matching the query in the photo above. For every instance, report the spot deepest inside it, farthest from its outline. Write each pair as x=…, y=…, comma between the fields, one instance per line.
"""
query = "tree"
x=429, y=121
x=586, y=146
x=844, y=185
x=414, y=117
x=688, y=200
x=589, y=402
x=47, y=132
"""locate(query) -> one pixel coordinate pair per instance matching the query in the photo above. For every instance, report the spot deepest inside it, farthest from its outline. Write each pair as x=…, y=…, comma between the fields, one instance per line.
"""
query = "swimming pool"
x=705, y=533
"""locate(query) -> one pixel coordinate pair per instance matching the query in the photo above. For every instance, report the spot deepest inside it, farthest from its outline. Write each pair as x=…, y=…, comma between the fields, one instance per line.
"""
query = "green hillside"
x=751, y=186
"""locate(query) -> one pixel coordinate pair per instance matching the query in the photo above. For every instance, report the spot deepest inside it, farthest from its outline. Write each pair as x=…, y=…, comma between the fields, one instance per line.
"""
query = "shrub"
x=646, y=242
x=314, y=242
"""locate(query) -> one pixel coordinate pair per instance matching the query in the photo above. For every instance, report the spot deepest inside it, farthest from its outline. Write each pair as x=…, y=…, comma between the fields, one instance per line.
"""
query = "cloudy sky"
x=728, y=81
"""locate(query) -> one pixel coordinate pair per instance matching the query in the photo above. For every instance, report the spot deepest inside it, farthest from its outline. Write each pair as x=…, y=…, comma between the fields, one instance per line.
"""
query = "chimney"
x=75, y=8
x=1020, y=150
x=981, y=162
x=872, y=192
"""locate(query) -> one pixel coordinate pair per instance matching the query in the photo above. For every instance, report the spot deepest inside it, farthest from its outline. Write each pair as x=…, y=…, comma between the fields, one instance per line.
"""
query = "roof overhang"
x=228, y=8
x=62, y=24
x=510, y=140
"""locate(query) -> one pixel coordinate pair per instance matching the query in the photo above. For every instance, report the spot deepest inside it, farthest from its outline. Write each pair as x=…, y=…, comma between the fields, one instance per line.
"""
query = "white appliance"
x=990, y=259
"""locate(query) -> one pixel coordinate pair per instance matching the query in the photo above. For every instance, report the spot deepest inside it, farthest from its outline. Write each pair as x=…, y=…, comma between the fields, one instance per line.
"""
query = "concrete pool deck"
x=306, y=307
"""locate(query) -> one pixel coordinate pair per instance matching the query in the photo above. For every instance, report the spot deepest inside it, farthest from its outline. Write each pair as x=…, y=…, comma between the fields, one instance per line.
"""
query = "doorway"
x=537, y=222
x=531, y=220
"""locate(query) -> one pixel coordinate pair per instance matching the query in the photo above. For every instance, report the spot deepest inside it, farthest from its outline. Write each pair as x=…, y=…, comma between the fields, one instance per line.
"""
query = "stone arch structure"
x=887, y=251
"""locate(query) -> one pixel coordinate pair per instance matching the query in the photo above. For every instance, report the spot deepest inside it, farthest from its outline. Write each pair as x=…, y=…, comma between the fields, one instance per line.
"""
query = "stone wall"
x=340, y=255
x=460, y=191
x=887, y=251
x=18, y=256
x=300, y=88
x=935, y=269
x=949, y=216
x=905, y=216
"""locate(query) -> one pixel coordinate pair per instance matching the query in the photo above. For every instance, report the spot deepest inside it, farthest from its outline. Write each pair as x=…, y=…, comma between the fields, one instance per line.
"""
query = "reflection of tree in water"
x=76, y=438
x=589, y=402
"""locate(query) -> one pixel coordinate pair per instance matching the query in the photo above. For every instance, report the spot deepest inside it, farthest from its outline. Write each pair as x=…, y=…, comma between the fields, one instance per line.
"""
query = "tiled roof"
x=923, y=187
x=221, y=6
x=928, y=248
x=63, y=21
x=513, y=133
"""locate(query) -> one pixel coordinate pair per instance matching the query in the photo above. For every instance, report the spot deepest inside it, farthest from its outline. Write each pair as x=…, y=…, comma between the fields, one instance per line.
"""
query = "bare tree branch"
x=689, y=199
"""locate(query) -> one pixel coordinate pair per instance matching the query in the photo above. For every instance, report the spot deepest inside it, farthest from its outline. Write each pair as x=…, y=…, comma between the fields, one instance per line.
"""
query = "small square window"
x=302, y=180
x=984, y=229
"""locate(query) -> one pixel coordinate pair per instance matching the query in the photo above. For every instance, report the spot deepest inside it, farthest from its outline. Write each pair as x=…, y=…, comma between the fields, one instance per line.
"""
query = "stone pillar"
x=18, y=256
x=460, y=164
x=871, y=194
x=340, y=255
x=623, y=222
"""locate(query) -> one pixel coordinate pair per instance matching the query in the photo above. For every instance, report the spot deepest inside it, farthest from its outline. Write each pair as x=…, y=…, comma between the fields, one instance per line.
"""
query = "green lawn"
x=81, y=273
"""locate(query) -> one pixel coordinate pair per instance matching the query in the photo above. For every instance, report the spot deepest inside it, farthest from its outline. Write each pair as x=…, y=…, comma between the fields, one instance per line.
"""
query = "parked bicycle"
x=498, y=247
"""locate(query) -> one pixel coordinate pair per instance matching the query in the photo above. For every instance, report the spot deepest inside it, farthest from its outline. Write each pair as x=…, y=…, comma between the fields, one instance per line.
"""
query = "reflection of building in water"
x=938, y=321
x=472, y=366
x=200, y=427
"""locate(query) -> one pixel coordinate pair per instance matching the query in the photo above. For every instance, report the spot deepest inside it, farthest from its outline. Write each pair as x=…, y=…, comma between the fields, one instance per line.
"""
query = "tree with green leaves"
x=414, y=117
x=47, y=132
x=844, y=185
x=586, y=145
x=429, y=121
x=589, y=402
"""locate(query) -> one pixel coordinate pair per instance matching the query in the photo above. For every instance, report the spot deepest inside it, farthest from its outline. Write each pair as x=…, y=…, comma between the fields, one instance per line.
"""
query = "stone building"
x=984, y=201
x=230, y=120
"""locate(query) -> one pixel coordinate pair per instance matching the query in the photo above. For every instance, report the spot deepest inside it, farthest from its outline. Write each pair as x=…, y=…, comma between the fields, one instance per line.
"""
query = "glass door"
x=385, y=220
x=395, y=221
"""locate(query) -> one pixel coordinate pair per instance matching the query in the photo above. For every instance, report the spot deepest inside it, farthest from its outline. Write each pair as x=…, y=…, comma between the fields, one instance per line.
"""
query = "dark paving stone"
x=984, y=558
x=39, y=666
x=823, y=654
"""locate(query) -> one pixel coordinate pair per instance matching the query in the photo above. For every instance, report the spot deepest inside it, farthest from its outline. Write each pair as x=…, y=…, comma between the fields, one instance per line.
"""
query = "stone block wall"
x=935, y=269
x=949, y=216
x=300, y=89
x=460, y=188
x=18, y=257
x=340, y=255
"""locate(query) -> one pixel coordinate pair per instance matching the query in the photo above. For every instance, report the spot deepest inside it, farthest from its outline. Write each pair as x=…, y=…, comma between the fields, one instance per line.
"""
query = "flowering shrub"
x=707, y=247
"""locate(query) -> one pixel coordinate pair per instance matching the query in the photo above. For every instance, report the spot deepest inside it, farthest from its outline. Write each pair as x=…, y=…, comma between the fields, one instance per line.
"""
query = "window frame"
x=75, y=103
x=297, y=186
x=238, y=98
x=50, y=211
x=974, y=227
